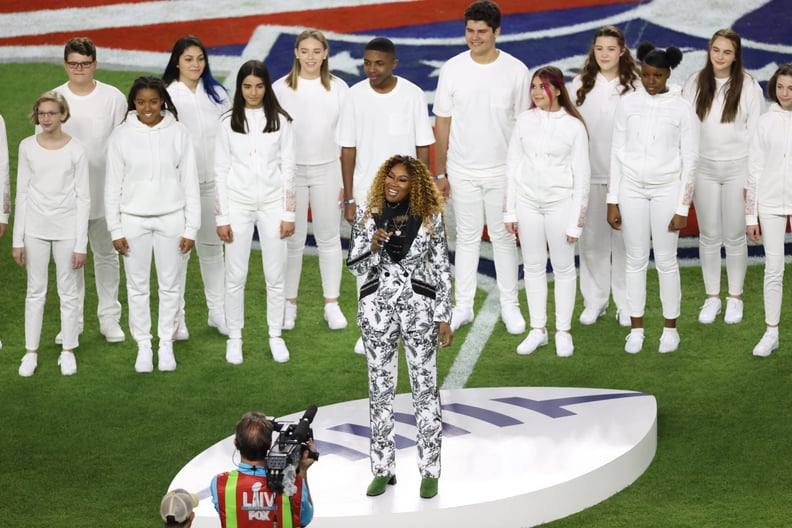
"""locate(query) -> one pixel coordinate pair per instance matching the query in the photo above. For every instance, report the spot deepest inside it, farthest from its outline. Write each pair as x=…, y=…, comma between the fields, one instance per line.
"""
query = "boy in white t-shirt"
x=479, y=94
x=382, y=116
x=96, y=109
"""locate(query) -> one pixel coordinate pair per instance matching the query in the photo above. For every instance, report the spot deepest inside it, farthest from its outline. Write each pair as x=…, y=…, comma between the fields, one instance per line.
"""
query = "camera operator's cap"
x=179, y=504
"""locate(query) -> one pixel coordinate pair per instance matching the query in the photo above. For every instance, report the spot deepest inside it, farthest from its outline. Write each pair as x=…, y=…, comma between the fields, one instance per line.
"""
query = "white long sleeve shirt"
x=655, y=144
x=53, y=198
x=201, y=116
x=727, y=141
x=255, y=170
x=5, y=182
x=769, y=188
x=151, y=172
x=547, y=162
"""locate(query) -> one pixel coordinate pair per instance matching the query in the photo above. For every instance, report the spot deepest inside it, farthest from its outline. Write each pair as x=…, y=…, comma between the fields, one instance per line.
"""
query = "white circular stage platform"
x=512, y=457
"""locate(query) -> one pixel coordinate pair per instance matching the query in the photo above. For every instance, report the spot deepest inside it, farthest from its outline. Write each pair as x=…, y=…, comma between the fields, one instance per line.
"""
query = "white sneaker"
x=234, y=351
x=564, y=345
x=181, y=334
x=289, y=315
x=633, y=343
x=710, y=310
x=166, y=361
x=111, y=331
x=68, y=363
x=623, y=316
x=217, y=320
x=1, y=345
x=669, y=340
x=360, y=348
x=145, y=359
x=513, y=319
x=461, y=316
x=59, y=335
x=334, y=316
x=28, y=365
x=589, y=316
x=763, y=348
x=535, y=339
x=734, y=311
x=278, y=348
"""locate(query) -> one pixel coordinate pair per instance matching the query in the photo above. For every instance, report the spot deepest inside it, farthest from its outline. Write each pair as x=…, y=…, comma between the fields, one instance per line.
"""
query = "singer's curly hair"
x=425, y=199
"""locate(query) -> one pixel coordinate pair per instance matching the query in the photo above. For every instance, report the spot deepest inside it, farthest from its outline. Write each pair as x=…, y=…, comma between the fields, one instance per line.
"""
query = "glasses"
x=79, y=65
x=42, y=115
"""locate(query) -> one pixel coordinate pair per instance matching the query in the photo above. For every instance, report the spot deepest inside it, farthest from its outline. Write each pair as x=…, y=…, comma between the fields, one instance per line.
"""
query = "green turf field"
x=101, y=447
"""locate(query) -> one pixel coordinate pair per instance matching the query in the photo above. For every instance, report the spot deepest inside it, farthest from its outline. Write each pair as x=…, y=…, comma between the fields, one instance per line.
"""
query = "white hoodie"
x=151, y=172
x=769, y=188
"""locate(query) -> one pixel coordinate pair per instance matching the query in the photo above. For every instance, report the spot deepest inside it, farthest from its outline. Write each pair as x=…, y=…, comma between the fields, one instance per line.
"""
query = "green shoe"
x=378, y=485
x=428, y=487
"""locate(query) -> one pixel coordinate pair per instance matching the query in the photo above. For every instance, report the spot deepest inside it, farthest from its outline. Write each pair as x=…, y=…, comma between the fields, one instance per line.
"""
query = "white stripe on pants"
x=318, y=185
x=539, y=228
x=37, y=257
x=720, y=208
x=273, y=258
x=160, y=235
x=601, y=256
x=107, y=273
x=646, y=213
x=474, y=202
x=773, y=232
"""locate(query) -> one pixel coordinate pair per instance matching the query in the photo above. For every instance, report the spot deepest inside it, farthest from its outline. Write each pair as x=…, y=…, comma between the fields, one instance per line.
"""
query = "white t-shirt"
x=382, y=125
x=5, y=187
x=315, y=112
x=52, y=195
x=201, y=116
x=93, y=118
x=483, y=102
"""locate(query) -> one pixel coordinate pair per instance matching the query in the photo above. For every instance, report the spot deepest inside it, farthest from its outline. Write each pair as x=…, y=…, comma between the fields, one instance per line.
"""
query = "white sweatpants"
x=773, y=232
x=273, y=258
x=646, y=213
x=720, y=208
x=159, y=235
x=475, y=202
x=107, y=272
x=210, y=254
x=538, y=229
x=318, y=185
x=601, y=256
x=37, y=258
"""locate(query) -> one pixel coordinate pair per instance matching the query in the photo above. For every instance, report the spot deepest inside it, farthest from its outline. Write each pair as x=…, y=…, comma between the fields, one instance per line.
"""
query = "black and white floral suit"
x=407, y=298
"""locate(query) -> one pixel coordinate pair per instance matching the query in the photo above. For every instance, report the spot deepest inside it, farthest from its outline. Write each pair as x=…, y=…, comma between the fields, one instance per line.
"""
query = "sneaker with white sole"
x=513, y=319
x=68, y=363
x=289, y=315
x=234, y=351
x=536, y=338
x=278, y=348
x=633, y=343
x=145, y=358
x=216, y=319
x=360, y=348
x=334, y=316
x=166, y=361
x=766, y=345
x=734, y=311
x=111, y=331
x=28, y=365
x=623, y=316
x=461, y=316
x=710, y=310
x=564, y=345
x=182, y=333
x=669, y=341
x=589, y=316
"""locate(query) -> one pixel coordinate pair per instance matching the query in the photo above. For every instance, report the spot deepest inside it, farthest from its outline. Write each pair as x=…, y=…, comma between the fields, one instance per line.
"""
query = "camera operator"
x=243, y=498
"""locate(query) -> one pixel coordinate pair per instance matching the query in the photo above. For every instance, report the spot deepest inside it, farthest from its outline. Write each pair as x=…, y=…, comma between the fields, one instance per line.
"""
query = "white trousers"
x=107, y=272
x=159, y=235
x=318, y=185
x=476, y=202
x=601, y=256
x=37, y=258
x=646, y=213
x=210, y=254
x=273, y=258
x=773, y=232
x=720, y=208
x=540, y=228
